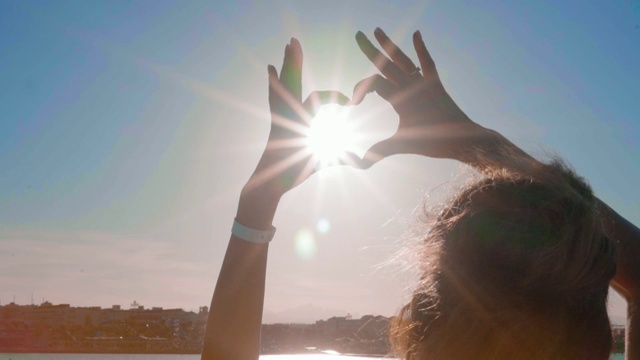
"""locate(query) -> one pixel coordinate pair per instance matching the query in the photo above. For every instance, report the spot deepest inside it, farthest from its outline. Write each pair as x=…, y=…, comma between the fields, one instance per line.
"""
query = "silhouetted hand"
x=431, y=123
x=286, y=161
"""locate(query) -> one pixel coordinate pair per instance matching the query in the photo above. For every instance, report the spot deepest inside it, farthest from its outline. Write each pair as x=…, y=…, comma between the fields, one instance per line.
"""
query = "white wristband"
x=252, y=235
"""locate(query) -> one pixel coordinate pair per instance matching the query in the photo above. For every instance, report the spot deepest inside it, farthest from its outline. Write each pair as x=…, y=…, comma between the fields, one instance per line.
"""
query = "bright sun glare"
x=330, y=135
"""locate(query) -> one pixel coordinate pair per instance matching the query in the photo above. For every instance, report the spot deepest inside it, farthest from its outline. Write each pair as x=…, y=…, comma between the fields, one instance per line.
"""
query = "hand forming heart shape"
x=431, y=123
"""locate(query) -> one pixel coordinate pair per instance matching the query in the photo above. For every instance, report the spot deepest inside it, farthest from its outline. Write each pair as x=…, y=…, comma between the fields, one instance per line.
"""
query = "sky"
x=127, y=130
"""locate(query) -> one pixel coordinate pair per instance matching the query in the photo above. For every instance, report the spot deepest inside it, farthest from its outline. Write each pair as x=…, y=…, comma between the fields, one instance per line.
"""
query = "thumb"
x=385, y=88
x=375, y=153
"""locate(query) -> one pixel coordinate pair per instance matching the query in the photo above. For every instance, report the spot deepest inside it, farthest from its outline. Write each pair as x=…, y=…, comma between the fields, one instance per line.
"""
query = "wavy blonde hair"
x=515, y=267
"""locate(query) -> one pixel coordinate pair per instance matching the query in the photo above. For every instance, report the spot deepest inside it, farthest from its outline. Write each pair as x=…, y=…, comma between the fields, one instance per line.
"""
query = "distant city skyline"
x=306, y=313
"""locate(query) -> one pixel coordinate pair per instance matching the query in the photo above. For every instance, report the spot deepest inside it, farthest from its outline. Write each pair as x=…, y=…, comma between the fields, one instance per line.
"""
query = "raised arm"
x=233, y=326
x=432, y=124
x=627, y=279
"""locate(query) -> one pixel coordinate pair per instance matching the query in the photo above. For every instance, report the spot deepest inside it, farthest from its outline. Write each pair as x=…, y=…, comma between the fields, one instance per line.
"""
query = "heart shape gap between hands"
x=338, y=130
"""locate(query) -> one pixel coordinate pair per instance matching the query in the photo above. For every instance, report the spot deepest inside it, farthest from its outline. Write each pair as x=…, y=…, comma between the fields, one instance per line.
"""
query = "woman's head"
x=513, y=268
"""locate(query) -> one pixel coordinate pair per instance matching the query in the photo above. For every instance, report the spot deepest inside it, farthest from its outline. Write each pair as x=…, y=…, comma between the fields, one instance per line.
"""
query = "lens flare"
x=323, y=226
x=305, y=244
x=330, y=135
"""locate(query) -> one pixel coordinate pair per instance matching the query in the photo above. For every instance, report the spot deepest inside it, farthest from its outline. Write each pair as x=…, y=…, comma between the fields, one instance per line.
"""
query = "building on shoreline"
x=63, y=328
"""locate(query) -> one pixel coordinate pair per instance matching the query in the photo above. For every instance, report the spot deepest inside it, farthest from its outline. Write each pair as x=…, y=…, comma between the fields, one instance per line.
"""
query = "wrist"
x=482, y=143
x=491, y=152
x=257, y=207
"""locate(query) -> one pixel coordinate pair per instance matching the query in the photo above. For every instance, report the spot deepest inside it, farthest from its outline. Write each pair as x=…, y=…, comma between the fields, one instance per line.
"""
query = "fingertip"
x=364, y=165
x=360, y=35
x=418, y=35
x=356, y=98
x=359, y=163
x=352, y=101
x=343, y=99
x=360, y=91
x=353, y=160
x=271, y=70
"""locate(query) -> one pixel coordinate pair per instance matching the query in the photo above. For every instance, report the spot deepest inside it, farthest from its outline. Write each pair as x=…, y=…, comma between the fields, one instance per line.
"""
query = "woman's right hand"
x=431, y=123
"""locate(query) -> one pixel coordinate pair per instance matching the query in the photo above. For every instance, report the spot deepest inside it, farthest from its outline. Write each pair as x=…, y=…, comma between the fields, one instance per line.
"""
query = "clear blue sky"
x=128, y=128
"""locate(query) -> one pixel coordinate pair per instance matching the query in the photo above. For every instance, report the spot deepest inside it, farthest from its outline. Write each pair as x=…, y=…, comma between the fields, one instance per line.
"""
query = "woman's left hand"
x=286, y=161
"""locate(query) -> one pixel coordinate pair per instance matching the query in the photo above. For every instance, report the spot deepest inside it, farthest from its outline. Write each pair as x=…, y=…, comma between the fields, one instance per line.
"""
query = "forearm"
x=235, y=317
x=627, y=278
x=627, y=238
x=491, y=152
x=632, y=342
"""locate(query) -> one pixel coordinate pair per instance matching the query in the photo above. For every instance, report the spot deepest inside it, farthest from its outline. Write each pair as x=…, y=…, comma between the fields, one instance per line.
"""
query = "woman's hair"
x=514, y=267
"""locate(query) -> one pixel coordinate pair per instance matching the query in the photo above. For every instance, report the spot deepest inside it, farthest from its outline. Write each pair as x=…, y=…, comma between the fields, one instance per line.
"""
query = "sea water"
x=184, y=357
x=168, y=357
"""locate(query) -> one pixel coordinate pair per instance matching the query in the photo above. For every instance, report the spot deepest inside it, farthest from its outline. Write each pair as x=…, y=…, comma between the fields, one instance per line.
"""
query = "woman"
x=516, y=267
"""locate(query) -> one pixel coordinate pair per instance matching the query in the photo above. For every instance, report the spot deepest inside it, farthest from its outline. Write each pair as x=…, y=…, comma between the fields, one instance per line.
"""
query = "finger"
x=351, y=159
x=279, y=95
x=386, y=67
x=285, y=92
x=279, y=100
x=376, y=153
x=291, y=74
x=273, y=81
x=383, y=87
x=309, y=169
x=426, y=62
x=394, y=52
x=287, y=60
x=379, y=151
x=319, y=98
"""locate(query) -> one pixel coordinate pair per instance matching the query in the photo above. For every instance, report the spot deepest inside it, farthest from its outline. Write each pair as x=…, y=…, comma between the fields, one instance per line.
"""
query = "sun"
x=330, y=135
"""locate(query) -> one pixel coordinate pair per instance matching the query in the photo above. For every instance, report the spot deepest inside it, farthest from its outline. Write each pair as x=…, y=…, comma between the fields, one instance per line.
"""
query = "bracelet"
x=252, y=235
